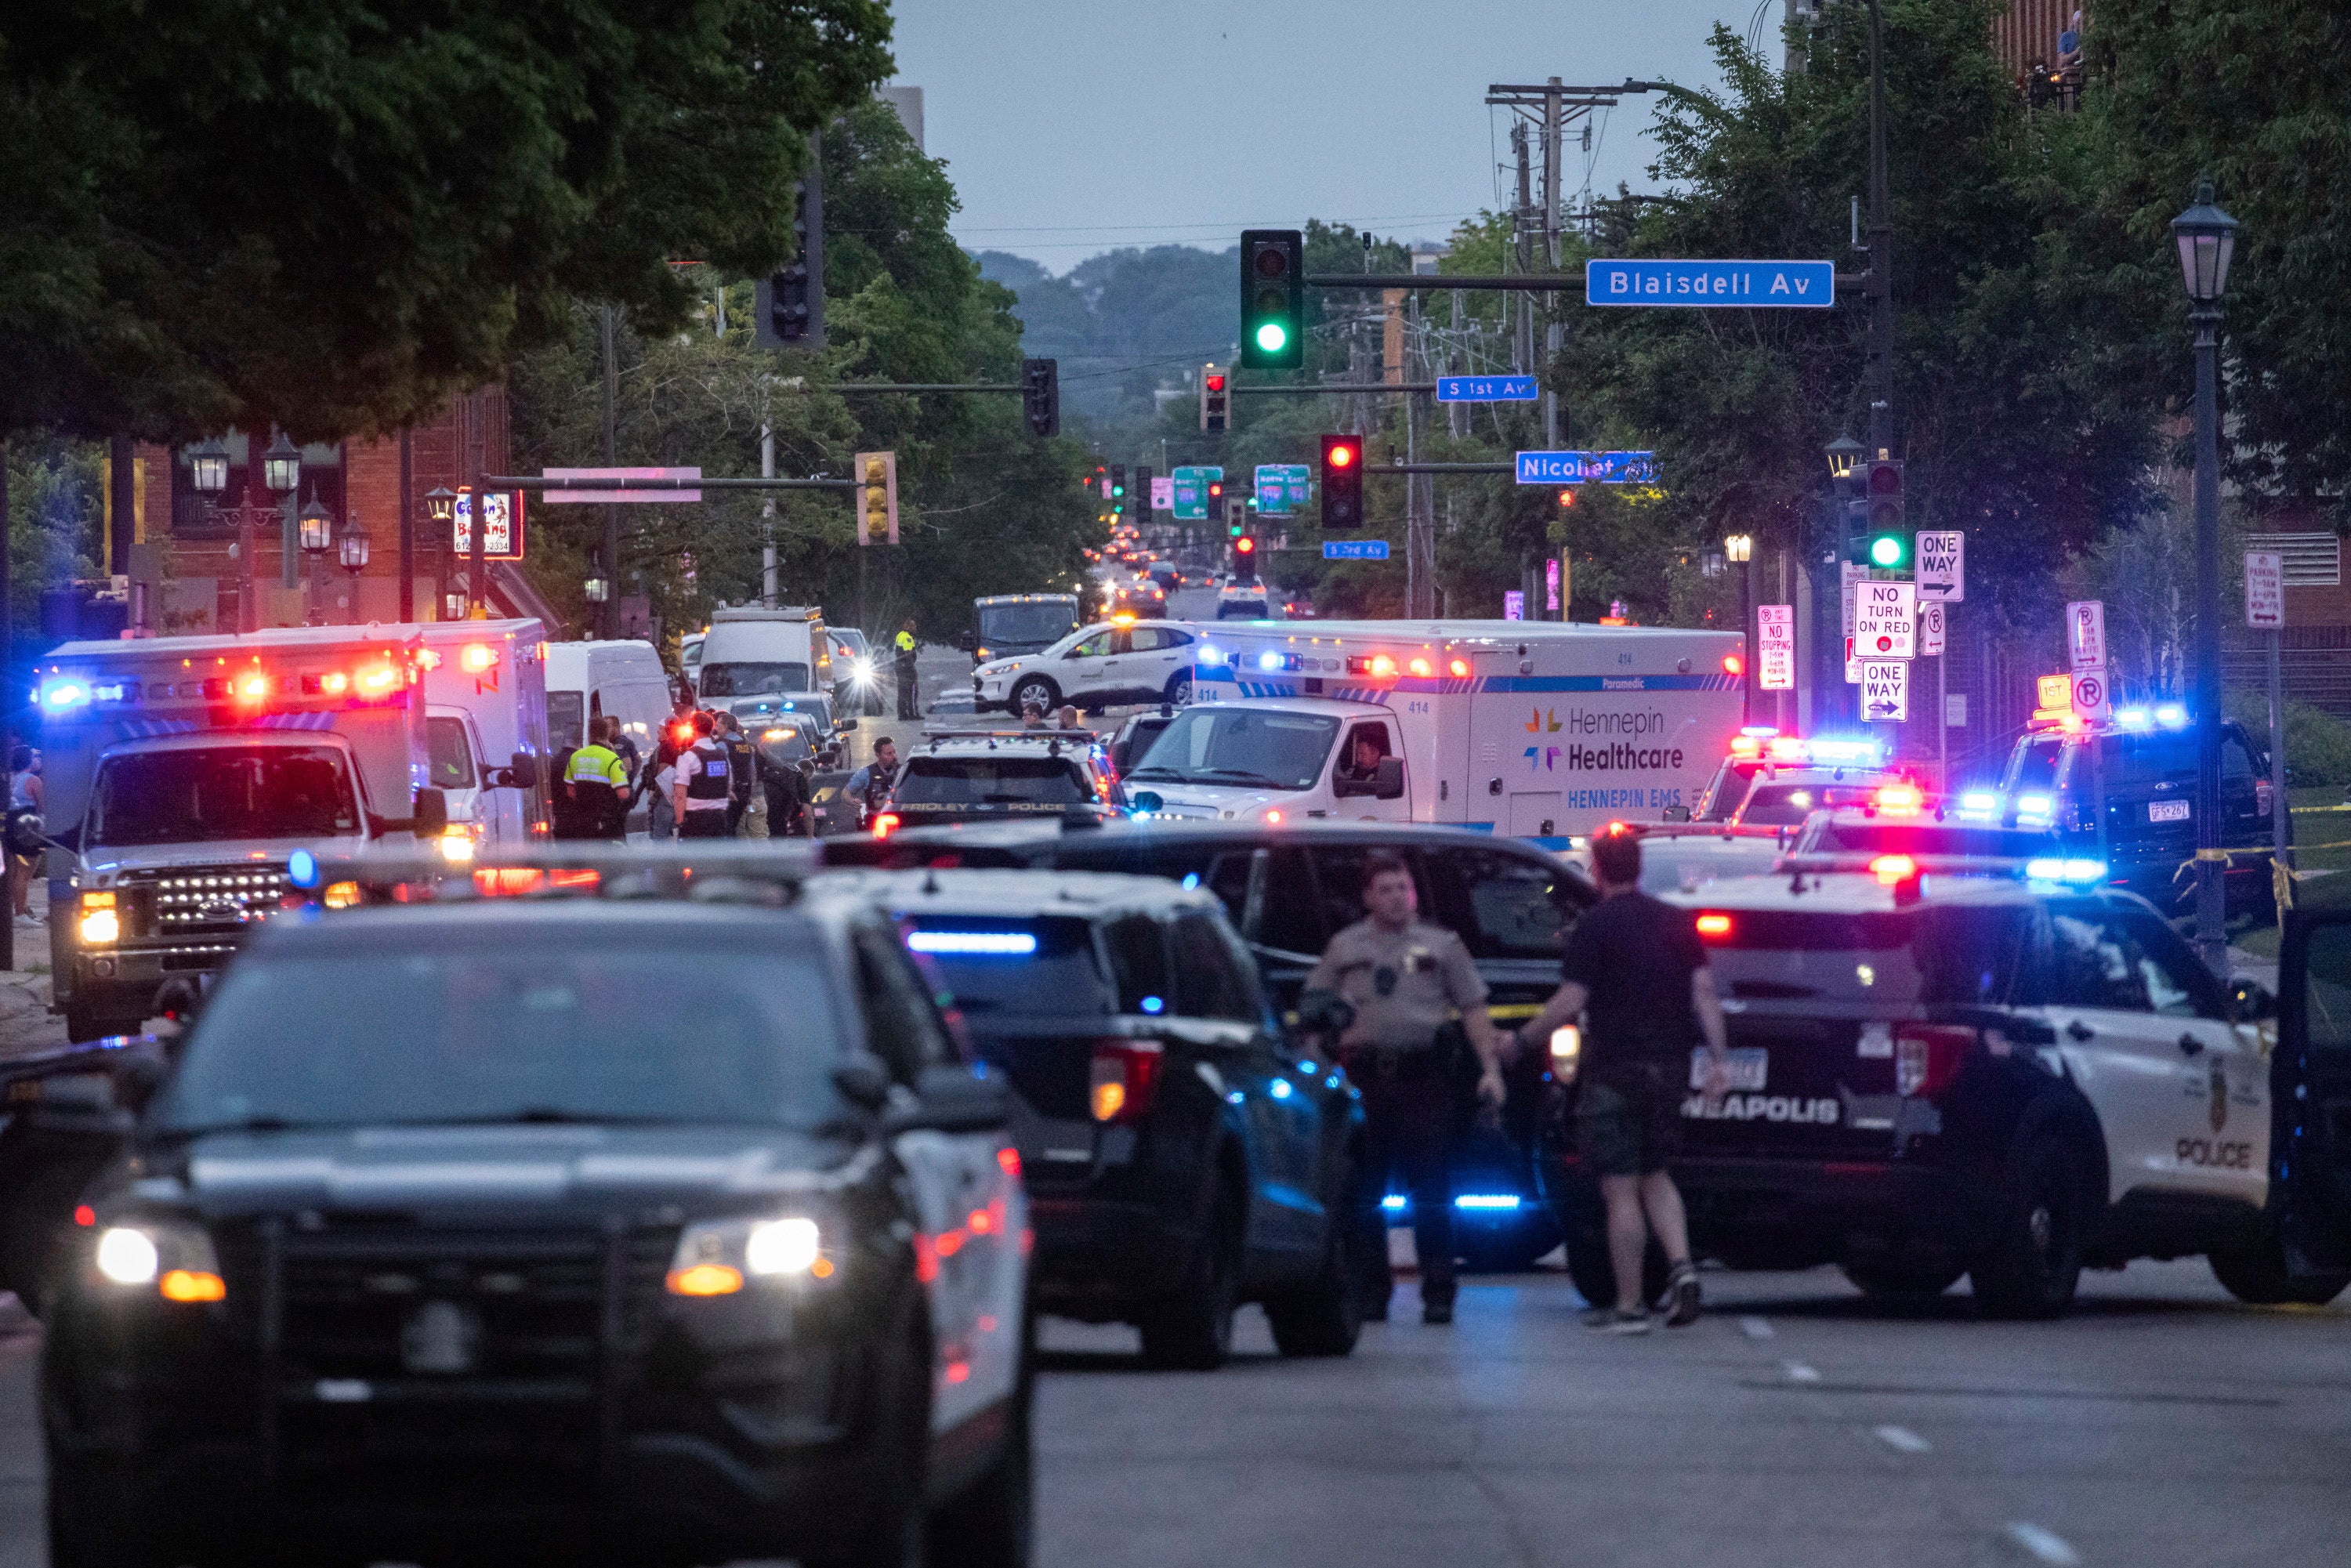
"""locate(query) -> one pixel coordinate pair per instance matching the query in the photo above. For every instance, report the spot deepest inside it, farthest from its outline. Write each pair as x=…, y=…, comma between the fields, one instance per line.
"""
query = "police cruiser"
x=2006, y=1076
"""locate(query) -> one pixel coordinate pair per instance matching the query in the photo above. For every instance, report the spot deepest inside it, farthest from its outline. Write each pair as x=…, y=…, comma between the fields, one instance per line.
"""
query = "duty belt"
x=1391, y=1062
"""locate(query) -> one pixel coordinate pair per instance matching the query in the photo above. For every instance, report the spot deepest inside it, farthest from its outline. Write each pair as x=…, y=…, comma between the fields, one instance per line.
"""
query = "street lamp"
x=1842, y=453
x=598, y=588
x=351, y=545
x=316, y=528
x=2208, y=240
x=208, y=468
x=1740, y=548
x=441, y=505
x=281, y=465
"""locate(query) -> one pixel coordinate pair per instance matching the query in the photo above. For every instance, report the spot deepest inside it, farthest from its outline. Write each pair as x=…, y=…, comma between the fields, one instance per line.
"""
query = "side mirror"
x=1387, y=779
x=863, y=1082
x=431, y=817
x=844, y=725
x=2250, y=1001
x=1678, y=813
x=954, y=1099
x=968, y=642
x=522, y=773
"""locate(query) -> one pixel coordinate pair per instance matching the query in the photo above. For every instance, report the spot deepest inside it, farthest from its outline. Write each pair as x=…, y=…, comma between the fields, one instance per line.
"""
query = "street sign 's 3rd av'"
x=1786, y=285
x=1354, y=550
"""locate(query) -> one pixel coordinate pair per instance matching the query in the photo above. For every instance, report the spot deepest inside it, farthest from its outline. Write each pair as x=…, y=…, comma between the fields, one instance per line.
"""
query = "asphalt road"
x=1796, y=1425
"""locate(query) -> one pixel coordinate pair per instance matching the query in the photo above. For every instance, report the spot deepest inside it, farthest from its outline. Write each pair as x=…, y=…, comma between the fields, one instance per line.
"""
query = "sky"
x=1070, y=127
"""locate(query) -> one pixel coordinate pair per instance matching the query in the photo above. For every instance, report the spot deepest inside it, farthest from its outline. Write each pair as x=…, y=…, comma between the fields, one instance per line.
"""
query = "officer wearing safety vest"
x=597, y=781
x=705, y=786
x=904, y=646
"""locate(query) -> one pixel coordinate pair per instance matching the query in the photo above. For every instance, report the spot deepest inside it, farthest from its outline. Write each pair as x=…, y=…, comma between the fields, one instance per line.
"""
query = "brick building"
x=185, y=542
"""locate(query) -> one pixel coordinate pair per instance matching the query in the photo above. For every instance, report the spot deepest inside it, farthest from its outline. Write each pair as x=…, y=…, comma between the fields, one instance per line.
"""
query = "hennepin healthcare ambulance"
x=1542, y=730
x=183, y=774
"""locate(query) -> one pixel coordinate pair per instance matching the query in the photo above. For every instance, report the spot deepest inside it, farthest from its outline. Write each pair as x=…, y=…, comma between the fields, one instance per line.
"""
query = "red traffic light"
x=1245, y=545
x=1340, y=455
x=1216, y=383
x=1216, y=489
x=1567, y=498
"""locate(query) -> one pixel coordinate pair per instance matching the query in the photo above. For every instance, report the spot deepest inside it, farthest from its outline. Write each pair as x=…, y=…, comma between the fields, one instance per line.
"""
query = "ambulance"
x=183, y=774
x=486, y=704
x=1540, y=730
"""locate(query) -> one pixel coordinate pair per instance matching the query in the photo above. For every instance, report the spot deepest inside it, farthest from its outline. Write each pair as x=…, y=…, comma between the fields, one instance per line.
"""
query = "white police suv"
x=2001, y=1075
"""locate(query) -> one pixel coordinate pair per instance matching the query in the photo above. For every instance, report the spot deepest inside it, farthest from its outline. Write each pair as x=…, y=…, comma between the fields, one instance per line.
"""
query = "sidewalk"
x=26, y=1021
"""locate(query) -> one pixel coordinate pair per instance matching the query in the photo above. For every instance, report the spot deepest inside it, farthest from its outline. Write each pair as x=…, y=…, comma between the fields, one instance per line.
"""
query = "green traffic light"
x=1271, y=337
x=1886, y=551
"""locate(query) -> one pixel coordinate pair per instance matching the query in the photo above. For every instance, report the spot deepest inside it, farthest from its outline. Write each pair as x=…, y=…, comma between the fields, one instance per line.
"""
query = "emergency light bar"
x=2040, y=868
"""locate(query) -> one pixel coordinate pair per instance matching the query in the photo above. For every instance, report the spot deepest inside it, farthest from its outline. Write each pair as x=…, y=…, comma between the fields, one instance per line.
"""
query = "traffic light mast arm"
x=538, y=482
x=1523, y=282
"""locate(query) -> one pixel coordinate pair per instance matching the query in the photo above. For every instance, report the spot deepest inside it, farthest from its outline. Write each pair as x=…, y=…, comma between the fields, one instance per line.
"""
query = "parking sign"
x=1775, y=635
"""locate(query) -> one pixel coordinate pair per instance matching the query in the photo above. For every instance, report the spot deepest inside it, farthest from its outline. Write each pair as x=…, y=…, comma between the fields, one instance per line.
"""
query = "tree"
x=329, y=215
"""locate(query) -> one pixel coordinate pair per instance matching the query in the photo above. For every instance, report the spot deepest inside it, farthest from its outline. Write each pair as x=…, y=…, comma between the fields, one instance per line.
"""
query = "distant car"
x=1133, y=738
x=1182, y=1154
x=967, y=776
x=1106, y=665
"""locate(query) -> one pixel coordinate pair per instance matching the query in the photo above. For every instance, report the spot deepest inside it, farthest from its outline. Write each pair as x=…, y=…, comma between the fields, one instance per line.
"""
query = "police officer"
x=742, y=765
x=705, y=785
x=870, y=785
x=786, y=785
x=903, y=665
x=596, y=780
x=1406, y=980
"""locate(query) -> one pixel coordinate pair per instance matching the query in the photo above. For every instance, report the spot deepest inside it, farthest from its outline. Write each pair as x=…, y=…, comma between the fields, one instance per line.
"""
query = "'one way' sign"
x=1885, y=690
x=1942, y=565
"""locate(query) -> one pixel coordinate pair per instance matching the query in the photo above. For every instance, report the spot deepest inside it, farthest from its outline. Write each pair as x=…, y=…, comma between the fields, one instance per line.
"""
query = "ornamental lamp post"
x=316, y=527
x=1740, y=548
x=2207, y=238
x=208, y=467
x=351, y=545
x=1842, y=453
x=441, y=508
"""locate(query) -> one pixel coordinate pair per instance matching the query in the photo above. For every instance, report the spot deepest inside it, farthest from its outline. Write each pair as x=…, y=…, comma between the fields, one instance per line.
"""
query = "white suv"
x=1102, y=665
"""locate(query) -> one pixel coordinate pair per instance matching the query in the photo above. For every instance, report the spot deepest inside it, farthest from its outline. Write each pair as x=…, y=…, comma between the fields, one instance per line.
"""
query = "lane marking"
x=1902, y=1439
x=2046, y=1546
x=1755, y=1328
x=1799, y=1373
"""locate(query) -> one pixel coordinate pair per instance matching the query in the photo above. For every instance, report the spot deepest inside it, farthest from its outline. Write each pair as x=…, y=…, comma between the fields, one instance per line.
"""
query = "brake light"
x=1714, y=927
x=1900, y=800
x=508, y=881
x=1927, y=1056
x=1732, y=665
x=1123, y=1079
x=885, y=825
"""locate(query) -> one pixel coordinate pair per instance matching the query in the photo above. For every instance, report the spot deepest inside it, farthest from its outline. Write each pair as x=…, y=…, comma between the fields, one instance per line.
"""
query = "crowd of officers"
x=698, y=781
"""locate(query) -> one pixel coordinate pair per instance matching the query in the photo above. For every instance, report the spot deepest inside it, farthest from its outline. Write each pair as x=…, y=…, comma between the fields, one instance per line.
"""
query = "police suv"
x=980, y=775
x=2010, y=1077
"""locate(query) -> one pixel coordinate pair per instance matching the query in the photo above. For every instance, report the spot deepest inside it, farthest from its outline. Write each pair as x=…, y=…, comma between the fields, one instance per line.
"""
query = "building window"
x=2311, y=561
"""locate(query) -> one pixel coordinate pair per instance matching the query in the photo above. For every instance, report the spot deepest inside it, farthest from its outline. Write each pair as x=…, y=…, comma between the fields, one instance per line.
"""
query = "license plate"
x=2167, y=810
x=1747, y=1064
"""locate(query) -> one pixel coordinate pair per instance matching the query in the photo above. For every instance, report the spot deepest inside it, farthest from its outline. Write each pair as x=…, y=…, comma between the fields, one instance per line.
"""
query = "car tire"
x=1514, y=1249
x=1326, y=1317
x=95, y=1518
x=1192, y=1330
x=1179, y=688
x=2256, y=1273
x=1035, y=688
x=2033, y=1264
x=993, y=1522
x=1889, y=1280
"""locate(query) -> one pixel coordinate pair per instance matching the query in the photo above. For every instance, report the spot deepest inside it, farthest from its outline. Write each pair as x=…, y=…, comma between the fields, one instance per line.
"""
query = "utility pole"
x=1550, y=127
x=1881, y=255
x=767, y=587
x=610, y=615
x=407, y=527
x=1522, y=332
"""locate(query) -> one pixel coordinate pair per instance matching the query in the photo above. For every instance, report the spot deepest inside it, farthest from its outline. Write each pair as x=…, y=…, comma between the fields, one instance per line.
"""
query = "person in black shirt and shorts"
x=1636, y=972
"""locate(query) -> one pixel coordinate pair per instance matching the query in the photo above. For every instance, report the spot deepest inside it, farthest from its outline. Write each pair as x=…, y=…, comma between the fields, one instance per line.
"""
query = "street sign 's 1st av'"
x=1792, y=284
x=1587, y=467
x=1354, y=550
x=1487, y=388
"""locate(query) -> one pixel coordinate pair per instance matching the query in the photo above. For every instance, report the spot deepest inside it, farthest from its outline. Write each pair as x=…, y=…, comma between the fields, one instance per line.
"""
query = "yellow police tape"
x=2282, y=877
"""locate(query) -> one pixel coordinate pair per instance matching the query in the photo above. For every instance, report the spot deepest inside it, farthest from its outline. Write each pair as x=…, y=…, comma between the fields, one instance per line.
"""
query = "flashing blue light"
x=1848, y=753
x=1154, y=1004
x=2033, y=805
x=1979, y=800
x=1501, y=1201
x=1268, y=661
x=1191, y=879
x=975, y=944
x=1235, y=1098
x=1763, y=730
x=2048, y=868
x=1308, y=1068
x=1392, y=1203
x=302, y=869
x=2171, y=715
x=58, y=695
x=1210, y=654
x=1280, y=1090
x=2132, y=718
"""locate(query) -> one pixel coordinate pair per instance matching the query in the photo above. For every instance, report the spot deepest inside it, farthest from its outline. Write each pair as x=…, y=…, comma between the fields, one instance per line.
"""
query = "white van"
x=1541, y=730
x=753, y=653
x=623, y=678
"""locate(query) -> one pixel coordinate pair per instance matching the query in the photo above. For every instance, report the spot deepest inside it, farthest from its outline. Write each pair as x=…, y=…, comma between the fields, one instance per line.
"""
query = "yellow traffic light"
x=877, y=503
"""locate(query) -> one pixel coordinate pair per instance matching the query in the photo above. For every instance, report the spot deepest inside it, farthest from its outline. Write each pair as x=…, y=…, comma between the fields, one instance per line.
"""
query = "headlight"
x=1566, y=1053
x=716, y=1257
x=100, y=928
x=457, y=843
x=176, y=1258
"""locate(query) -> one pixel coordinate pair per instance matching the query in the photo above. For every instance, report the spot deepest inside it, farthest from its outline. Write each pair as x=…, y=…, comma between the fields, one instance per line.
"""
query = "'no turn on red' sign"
x=1885, y=620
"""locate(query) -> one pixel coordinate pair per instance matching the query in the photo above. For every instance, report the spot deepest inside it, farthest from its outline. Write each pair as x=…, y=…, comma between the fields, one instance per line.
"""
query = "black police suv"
x=1288, y=889
x=1182, y=1154
x=657, y=1231
x=967, y=776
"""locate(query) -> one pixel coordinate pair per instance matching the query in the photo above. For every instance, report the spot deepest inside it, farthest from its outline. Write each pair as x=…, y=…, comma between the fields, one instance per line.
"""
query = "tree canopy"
x=328, y=215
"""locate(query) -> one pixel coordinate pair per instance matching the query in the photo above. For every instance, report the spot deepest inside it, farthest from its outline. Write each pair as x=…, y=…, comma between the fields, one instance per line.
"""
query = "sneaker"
x=1599, y=1317
x=1628, y=1323
x=1437, y=1312
x=1682, y=1297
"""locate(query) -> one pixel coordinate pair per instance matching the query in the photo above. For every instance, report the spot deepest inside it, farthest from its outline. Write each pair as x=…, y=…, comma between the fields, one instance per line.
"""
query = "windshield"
x=1931, y=839
x=223, y=792
x=742, y=680
x=1779, y=805
x=2136, y=761
x=452, y=758
x=590, y=1027
x=1955, y=957
x=991, y=781
x=567, y=713
x=1045, y=622
x=2035, y=764
x=1236, y=744
x=1241, y=609
x=1064, y=974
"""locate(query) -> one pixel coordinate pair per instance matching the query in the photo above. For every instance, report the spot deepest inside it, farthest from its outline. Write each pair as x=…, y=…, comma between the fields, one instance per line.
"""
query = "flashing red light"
x=1714, y=927
x=885, y=825
x=1216, y=383
x=1900, y=800
x=1732, y=665
x=1567, y=498
x=1383, y=668
x=85, y=1215
x=1340, y=454
x=1461, y=668
x=1273, y=816
x=252, y=689
x=1245, y=545
x=1419, y=667
x=1891, y=871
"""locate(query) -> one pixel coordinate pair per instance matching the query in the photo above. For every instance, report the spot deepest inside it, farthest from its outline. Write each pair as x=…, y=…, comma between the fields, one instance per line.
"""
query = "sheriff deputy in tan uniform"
x=1406, y=980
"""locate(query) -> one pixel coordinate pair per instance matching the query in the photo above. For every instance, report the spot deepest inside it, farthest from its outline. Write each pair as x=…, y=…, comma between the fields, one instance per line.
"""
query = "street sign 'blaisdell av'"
x=1798, y=285
x=1885, y=690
